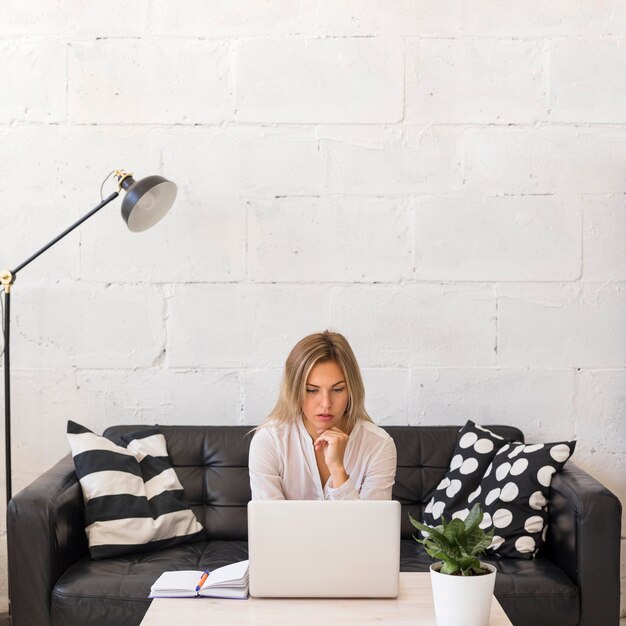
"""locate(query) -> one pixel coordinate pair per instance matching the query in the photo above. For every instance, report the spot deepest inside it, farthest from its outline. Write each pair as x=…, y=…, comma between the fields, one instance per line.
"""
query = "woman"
x=319, y=443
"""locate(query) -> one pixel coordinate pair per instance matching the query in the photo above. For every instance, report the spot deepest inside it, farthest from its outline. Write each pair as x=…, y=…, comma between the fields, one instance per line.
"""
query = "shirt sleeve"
x=343, y=492
x=379, y=478
x=265, y=467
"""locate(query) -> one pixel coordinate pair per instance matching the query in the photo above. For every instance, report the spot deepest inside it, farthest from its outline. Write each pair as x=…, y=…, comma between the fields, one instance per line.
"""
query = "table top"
x=414, y=606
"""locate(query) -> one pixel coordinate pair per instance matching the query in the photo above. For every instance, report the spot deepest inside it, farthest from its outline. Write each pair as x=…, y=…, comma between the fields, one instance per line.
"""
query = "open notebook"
x=230, y=581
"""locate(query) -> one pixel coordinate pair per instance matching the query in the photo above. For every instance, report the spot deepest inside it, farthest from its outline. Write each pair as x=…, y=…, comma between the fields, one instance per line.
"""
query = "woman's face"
x=326, y=397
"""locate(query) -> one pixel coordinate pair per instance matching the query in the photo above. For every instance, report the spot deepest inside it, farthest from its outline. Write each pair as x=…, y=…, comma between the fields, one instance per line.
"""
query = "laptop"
x=324, y=549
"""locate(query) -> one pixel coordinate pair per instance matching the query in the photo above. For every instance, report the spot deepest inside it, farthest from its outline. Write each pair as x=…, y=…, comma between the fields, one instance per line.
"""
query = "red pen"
x=202, y=580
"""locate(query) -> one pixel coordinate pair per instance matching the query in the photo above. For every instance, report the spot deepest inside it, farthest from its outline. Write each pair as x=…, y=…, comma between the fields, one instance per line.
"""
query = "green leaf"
x=421, y=526
x=478, y=569
x=454, y=530
x=474, y=518
x=457, y=543
x=435, y=534
x=467, y=563
x=478, y=541
x=449, y=568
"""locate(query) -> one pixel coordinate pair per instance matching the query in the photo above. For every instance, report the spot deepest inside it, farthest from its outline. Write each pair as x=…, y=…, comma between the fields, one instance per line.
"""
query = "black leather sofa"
x=574, y=579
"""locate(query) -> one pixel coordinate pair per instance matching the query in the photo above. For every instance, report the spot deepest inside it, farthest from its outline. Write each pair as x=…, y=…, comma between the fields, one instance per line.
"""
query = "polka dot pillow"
x=475, y=449
x=514, y=495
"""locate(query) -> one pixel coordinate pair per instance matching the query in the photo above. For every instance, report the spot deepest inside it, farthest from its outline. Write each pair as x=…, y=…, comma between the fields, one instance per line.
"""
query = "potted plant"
x=462, y=585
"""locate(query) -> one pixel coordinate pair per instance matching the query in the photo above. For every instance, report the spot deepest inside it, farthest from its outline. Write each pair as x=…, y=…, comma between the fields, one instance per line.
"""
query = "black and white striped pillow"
x=132, y=494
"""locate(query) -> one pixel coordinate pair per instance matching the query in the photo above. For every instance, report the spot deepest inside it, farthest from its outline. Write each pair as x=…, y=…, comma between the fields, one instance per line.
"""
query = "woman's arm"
x=265, y=467
x=379, y=480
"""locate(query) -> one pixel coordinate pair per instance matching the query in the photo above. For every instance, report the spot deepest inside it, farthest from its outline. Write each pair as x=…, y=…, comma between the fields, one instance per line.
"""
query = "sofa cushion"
x=115, y=591
x=131, y=492
x=530, y=591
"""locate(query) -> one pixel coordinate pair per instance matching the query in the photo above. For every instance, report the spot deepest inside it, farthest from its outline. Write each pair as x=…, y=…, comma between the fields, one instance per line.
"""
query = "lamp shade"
x=146, y=201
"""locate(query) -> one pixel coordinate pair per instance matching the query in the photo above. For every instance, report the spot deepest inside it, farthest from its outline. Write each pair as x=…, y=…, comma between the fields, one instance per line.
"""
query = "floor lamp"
x=145, y=203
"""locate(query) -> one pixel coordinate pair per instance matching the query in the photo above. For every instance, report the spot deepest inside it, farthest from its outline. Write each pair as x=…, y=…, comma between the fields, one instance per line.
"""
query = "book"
x=230, y=581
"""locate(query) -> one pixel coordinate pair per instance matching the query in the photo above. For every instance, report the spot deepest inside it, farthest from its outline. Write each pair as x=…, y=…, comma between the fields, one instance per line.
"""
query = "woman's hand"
x=333, y=442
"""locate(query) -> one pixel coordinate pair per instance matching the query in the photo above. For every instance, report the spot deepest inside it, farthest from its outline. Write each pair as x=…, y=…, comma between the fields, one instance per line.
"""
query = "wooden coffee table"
x=414, y=606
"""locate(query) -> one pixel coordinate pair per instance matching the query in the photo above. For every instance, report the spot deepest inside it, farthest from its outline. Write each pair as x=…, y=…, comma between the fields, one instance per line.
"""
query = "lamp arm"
x=6, y=280
x=65, y=232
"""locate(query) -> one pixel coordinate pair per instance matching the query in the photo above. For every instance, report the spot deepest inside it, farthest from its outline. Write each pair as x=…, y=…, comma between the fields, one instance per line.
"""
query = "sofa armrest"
x=46, y=534
x=584, y=540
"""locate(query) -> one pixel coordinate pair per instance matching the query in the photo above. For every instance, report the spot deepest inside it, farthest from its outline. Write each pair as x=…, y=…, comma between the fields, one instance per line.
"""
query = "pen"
x=205, y=575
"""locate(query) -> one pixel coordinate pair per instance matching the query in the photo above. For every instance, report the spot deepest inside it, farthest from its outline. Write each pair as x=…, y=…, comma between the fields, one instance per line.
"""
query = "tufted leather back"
x=212, y=464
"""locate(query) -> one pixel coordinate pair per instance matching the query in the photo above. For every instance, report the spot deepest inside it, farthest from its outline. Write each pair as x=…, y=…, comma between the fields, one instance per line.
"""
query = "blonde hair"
x=313, y=349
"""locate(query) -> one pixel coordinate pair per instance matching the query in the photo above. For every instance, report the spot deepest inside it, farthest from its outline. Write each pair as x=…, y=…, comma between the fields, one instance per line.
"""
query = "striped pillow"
x=132, y=494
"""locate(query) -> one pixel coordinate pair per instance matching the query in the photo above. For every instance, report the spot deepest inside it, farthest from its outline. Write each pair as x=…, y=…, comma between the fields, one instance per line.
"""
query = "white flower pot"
x=462, y=600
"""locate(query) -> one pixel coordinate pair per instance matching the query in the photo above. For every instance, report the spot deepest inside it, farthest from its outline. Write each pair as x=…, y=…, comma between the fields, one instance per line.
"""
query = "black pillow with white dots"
x=511, y=482
x=475, y=449
x=514, y=495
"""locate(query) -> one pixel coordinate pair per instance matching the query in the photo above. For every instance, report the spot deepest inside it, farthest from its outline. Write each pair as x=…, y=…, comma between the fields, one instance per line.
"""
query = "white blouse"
x=283, y=467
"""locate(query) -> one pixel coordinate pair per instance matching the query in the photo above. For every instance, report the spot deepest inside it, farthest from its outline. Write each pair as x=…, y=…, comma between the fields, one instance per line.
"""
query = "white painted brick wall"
x=414, y=325
x=580, y=84
x=238, y=325
x=337, y=240
x=474, y=80
x=517, y=160
x=337, y=80
x=420, y=17
x=604, y=245
x=528, y=399
x=571, y=326
x=536, y=18
x=258, y=391
x=64, y=324
x=392, y=161
x=248, y=160
x=33, y=72
x=153, y=83
x=442, y=182
x=223, y=18
x=77, y=20
x=498, y=238
x=588, y=160
x=215, y=254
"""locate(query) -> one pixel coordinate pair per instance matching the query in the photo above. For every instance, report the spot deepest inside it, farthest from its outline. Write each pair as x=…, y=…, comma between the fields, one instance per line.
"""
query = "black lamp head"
x=146, y=201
